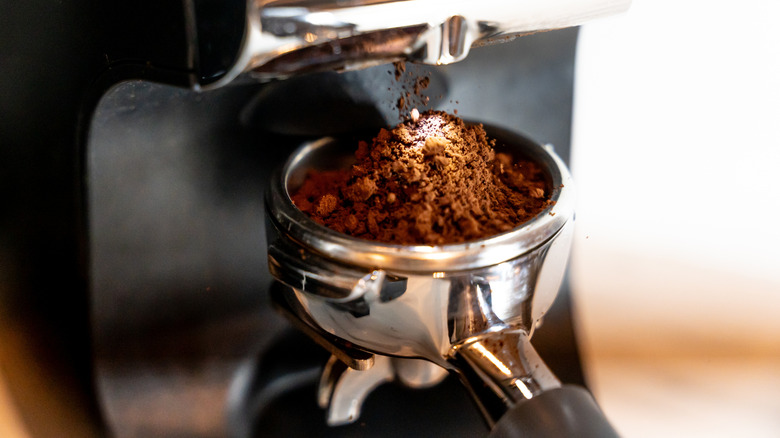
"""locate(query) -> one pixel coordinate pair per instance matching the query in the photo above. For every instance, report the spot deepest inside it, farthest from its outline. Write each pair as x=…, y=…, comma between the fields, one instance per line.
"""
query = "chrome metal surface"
x=469, y=308
x=352, y=357
x=418, y=373
x=342, y=390
x=501, y=369
x=285, y=37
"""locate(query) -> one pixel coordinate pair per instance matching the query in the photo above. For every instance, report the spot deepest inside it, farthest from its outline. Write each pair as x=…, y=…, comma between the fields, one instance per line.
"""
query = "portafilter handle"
x=518, y=394
x=283, y=37
x=501, y=369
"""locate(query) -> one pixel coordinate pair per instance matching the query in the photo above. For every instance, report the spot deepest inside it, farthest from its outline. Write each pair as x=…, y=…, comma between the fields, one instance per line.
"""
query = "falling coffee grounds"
x=432, y=181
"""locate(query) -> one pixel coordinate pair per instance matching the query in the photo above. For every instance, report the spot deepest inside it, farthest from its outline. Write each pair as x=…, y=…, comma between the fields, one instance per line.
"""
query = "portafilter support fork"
x=469, y=308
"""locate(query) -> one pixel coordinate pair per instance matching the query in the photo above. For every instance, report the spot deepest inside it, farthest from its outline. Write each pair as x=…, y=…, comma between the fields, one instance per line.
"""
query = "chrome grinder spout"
x=287, y=37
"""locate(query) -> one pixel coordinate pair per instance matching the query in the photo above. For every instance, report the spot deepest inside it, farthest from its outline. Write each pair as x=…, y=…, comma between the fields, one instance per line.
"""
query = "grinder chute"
x=284, y=38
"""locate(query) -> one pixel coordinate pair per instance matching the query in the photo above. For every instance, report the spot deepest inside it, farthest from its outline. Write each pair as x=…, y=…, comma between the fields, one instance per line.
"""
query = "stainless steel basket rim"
x=495, y=249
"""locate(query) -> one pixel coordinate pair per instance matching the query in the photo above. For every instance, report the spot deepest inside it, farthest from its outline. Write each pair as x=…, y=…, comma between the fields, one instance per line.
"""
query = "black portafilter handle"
x=568, y=411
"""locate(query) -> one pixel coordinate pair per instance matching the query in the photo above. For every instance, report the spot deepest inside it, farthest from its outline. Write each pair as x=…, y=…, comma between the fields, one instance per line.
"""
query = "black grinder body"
x=104, y=268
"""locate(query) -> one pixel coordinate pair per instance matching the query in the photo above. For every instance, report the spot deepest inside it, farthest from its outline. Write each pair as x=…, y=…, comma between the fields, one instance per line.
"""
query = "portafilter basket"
x=469, y=308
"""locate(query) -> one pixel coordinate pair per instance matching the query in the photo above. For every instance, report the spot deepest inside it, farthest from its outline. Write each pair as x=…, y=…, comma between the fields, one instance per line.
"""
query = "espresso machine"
x=137, y=158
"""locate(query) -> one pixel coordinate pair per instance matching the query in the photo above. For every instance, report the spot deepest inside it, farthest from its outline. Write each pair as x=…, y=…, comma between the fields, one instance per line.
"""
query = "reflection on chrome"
x=523, y=388
x=493, y=359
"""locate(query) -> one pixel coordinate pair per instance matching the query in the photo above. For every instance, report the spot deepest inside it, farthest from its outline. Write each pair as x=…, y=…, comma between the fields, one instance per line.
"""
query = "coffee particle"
x=400, y=68
x=415, y=115
x=326, y=205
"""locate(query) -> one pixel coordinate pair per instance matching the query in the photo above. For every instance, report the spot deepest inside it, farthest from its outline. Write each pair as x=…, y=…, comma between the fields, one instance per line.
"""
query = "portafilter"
x=468, y=308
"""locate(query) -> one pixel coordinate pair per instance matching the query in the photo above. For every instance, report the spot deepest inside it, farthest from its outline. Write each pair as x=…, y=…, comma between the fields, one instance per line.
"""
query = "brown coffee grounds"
x=430, y=182
x=411, y=89
x=399, y=68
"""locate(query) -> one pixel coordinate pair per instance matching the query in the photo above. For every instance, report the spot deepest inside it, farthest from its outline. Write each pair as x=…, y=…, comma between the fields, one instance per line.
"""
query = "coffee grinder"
x=138, y=142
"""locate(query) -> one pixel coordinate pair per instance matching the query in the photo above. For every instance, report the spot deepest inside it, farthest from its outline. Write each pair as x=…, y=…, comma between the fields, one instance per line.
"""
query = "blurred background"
x=676, y=154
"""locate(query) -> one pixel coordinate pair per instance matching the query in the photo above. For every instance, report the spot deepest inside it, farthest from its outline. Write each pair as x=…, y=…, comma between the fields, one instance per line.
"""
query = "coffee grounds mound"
x=430, y=182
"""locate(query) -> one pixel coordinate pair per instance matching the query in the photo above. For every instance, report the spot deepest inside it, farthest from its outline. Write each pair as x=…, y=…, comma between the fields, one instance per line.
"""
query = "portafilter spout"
x=470, y=308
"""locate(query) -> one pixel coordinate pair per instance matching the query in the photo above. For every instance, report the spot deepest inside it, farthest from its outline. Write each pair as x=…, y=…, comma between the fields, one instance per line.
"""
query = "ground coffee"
x=430, y=181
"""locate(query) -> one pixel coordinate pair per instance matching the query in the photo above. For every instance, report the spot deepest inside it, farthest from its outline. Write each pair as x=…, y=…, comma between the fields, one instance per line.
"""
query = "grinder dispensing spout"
x=287, y=37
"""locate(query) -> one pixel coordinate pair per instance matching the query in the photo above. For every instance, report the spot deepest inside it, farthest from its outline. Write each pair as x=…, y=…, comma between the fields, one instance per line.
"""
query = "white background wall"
x=676, y=266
